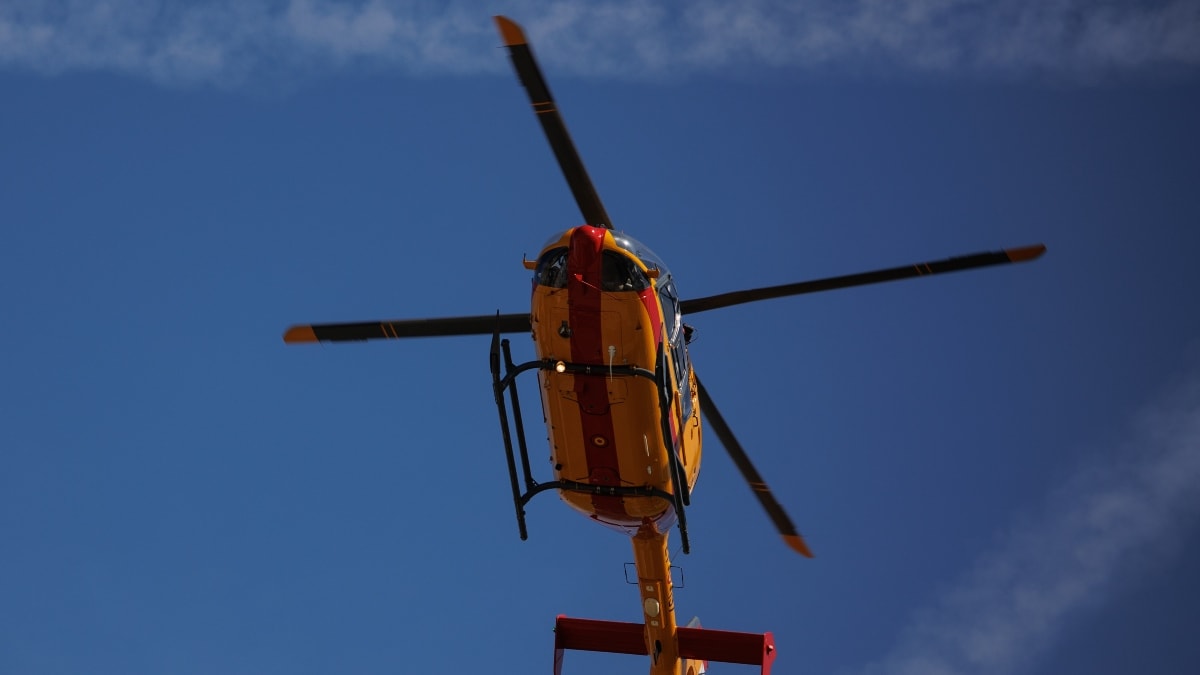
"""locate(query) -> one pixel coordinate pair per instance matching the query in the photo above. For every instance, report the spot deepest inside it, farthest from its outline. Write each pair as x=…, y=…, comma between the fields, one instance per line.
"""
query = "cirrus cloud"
x=228, y=42
x=1121, y=512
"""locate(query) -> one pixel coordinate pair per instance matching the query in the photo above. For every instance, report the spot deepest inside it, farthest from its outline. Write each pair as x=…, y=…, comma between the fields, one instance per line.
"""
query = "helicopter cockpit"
x=618, y=272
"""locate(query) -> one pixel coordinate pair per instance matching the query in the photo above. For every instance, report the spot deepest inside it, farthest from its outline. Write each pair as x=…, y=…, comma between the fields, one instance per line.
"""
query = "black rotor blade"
x=778, y=516
x=552, y=123
x=964, y=262
x=409, y=328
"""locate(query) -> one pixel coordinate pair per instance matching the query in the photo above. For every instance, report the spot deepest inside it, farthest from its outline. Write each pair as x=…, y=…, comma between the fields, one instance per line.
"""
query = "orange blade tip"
x=796, y=543
x=510, y=31
x=1026, y=253
x=299, y=334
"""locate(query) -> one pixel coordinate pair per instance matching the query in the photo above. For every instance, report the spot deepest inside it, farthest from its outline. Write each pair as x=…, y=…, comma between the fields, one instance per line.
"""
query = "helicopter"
x=623, y=406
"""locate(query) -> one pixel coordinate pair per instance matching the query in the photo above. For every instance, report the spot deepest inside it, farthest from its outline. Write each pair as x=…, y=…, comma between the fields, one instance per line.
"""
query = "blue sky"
x=997, y=470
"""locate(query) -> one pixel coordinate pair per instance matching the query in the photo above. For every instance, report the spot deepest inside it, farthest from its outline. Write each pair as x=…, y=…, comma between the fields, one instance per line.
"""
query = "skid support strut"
x=505, y=379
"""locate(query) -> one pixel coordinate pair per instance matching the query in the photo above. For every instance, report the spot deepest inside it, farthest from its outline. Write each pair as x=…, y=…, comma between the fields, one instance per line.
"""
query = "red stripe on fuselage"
x=650, y=302
x=584, y=270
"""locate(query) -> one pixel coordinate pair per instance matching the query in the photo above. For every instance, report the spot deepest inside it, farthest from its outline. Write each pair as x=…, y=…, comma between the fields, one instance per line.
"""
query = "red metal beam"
x=619, y=637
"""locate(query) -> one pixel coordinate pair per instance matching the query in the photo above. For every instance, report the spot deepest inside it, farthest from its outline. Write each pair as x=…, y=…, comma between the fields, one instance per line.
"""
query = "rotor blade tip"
x=510, y=31
x=299, y=334
x=796, y=543
x=1026, y=253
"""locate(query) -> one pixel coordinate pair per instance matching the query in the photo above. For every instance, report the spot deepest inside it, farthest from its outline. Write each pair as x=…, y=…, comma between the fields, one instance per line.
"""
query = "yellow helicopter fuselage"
x=599, y=304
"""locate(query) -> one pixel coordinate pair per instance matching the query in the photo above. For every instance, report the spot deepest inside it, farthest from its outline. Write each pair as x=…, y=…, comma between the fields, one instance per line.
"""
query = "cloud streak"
x=228, y=42
x=1108, y=519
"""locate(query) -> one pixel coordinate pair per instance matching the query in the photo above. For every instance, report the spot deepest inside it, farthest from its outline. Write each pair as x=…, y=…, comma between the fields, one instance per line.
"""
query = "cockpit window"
x=670, y=309
x=619, y=273
x=643, y=252
x=552, y=269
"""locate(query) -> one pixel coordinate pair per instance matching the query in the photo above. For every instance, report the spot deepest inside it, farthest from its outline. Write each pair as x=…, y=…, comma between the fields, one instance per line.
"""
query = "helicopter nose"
x=584, y=257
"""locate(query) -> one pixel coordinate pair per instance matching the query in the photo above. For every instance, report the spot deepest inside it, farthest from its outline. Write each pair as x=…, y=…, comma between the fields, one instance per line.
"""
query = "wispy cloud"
x=231, y=41
x=1109, y=519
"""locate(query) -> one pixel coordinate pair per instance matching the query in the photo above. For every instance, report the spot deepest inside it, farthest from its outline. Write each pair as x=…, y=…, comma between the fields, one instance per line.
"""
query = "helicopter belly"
x=604, y=429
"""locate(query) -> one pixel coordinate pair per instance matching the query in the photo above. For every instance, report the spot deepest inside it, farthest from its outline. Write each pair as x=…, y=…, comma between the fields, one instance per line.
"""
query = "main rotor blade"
x=778, y=516
x=965, y=262
x=552, y=124
x=409, y=328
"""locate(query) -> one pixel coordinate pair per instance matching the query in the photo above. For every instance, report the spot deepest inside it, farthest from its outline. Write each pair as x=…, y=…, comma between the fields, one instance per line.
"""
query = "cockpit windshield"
x=618, y=272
